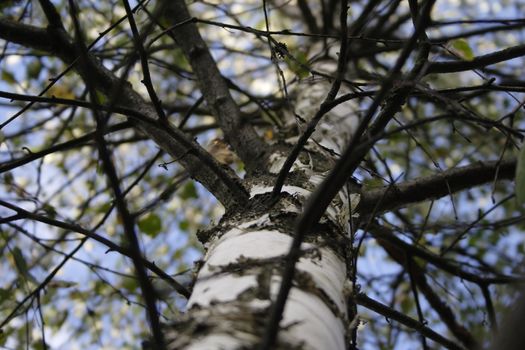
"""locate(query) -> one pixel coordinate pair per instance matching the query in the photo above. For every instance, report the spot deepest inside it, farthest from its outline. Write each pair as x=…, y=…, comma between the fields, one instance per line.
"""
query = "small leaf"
x=8, y=178
x=61, y=284
x=299, y=65
x=104, y=208
x=463, y=48
x=130, y=284
x=5, y=295
x=102, y=98
x=49, y=210
x=61, y=91
x=520, y=177
x=150, y=224
x=39, y=345
x=8, y=77
x=4, y=334
x=21, y=263
x=189, y=191
x=184, y=225
x=34, y=69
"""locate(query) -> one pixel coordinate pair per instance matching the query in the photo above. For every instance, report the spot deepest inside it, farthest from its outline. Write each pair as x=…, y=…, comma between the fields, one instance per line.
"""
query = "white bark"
x=233, y=302
x=311, y=320
x=240, y=275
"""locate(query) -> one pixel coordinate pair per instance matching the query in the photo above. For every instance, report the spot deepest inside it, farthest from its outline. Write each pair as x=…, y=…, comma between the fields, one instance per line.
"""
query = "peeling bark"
x=240, y=276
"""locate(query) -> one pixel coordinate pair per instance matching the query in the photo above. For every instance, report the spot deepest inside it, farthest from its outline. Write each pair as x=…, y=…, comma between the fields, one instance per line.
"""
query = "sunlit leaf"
x=151, y=224
x=463, y=48
x=21, y=263
x=8, y=77
x=61, y=91
x=189, y=191
x=299, y=64
x=184, y=225
x=34, y=69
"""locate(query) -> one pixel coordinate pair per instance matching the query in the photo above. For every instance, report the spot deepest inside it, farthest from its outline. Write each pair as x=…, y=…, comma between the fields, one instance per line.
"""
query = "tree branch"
x=390, y=313
x=220, y=181
x=76, y=142
x=478, y=62
x=149, y=293
x=382, y=233
x=26, y=35
x=438, y=305
x=308, y=16
x=241, y=136
x=434, y=186
x=318, y=201
x=24, y=214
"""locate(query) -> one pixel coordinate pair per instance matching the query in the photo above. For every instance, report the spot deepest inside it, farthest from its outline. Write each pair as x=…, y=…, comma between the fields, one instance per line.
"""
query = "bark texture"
x=240, y=274
x=246, y=252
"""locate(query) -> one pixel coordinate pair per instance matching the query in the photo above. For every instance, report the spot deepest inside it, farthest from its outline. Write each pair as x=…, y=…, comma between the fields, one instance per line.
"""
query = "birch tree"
x=270, y=175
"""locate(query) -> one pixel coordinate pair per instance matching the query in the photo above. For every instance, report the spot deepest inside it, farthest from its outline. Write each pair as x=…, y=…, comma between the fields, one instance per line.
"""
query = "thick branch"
x=29, y=36
x=308, y=16
x=512, y=336
x=477, y=62
x=220, y=181
x=241, y=136
x=435, y=186
x=390, y=313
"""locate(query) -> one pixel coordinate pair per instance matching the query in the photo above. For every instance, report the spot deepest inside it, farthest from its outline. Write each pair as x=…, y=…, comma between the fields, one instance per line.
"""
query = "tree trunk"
x=240, y=273
x=245, y=253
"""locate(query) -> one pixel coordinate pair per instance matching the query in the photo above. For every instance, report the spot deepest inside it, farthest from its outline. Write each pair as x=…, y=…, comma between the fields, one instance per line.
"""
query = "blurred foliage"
x=94, y=300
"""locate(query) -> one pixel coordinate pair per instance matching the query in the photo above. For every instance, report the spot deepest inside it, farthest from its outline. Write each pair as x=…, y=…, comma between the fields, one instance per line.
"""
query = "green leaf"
x=150, y=224
x=39, y=345
x=189, y=191
x=102, y=98
x=21, y=264
x=463, y=48
x=8, y=178
x=34, y=69
x=406, y=305
x=299, y=65
x=130, y=284
x=8, y=77
x=104, y=208
x=61, y=284
x=520, y=177
x=184, y=225
x=5, y=295
x=4, y=334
